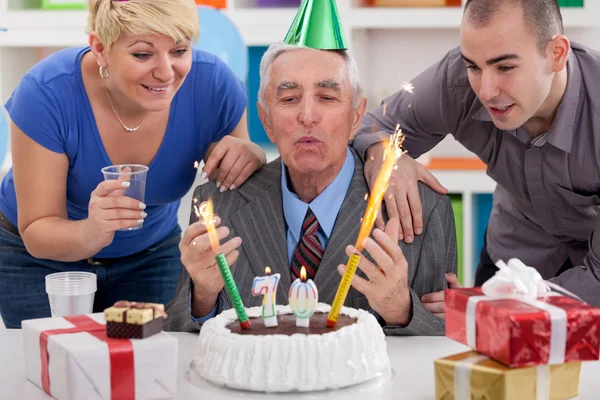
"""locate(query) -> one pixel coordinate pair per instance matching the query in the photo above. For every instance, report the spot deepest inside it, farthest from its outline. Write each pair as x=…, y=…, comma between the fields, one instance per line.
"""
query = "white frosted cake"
x=290, y=358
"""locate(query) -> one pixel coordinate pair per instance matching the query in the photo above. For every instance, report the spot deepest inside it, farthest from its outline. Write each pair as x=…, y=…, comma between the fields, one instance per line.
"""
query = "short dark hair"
x=543, y=16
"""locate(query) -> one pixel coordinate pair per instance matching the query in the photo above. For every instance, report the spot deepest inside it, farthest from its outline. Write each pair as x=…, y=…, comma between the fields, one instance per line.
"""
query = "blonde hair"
x=112, y=19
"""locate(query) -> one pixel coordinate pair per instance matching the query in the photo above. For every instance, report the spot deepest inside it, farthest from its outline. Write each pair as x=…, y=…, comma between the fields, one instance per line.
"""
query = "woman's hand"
x=232, y=160
x=109, y=211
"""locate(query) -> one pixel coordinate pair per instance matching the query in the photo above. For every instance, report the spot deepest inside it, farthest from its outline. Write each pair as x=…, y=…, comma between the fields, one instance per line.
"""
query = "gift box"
x=71, y=358
x=471, y=375
x=550, y=329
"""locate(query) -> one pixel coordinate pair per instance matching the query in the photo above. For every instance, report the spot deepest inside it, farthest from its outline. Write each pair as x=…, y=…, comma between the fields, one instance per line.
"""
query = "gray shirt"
x=546, y=200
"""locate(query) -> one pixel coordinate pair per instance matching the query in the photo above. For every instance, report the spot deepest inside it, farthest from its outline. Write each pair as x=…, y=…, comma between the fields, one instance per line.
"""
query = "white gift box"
x=79, y=363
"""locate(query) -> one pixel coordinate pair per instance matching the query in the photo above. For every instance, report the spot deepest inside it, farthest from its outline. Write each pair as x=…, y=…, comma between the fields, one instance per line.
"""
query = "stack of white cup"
x=71, y=293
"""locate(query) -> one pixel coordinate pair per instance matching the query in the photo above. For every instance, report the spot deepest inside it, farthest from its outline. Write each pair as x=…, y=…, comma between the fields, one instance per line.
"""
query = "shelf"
x=446, y=17
x=465, y=181
x=262, y=27
x=258, y=26
x=52, y=29
x=393, y=18
x=67, y=28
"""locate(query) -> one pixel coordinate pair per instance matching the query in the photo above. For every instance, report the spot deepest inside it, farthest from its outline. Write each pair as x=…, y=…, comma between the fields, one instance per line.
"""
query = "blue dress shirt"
x=325, y=206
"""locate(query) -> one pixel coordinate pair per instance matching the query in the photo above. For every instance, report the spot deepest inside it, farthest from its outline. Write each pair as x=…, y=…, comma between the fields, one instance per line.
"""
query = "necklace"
x=128, y=129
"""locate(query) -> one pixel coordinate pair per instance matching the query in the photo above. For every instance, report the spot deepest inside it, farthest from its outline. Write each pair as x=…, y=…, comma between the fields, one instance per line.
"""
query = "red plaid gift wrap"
x=518, y=333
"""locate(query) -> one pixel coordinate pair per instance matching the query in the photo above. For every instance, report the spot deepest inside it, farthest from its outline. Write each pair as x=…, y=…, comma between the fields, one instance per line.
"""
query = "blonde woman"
x=137, y=94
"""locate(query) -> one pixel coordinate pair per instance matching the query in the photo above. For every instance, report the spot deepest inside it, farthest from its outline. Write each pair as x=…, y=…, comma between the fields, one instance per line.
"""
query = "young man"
x=525, y=100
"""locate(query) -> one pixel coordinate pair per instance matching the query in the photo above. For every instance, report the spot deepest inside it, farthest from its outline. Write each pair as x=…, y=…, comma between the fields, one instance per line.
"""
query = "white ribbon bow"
x=518, y=281
x=515, y=280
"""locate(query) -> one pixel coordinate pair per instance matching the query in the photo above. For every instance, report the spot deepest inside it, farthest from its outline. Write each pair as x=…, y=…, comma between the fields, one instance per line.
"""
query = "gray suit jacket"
x=254, y=212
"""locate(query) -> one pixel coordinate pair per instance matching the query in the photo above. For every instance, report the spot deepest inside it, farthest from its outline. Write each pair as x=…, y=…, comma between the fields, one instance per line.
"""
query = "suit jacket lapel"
x=345, y=232
x=261, y=225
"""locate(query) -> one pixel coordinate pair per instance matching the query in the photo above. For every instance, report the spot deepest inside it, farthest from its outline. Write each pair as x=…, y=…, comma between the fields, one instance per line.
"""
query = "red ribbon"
x=122, y=377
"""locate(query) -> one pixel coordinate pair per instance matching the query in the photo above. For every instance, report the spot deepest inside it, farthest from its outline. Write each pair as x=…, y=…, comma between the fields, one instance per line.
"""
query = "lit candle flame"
x=303, y=274
x=205, y=212
x=268, y=270
x=391, y=154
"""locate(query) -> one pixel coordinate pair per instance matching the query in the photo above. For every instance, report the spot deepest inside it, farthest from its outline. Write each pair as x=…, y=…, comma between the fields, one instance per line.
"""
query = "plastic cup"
x=71, y=293
x=136, y=175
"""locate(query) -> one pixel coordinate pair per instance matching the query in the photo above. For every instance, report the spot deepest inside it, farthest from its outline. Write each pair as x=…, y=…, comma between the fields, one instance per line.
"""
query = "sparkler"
x=391, y=154
x=205, y=212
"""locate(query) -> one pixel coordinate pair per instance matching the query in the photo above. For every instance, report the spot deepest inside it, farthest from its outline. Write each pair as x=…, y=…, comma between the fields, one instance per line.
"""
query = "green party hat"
x=317, y=25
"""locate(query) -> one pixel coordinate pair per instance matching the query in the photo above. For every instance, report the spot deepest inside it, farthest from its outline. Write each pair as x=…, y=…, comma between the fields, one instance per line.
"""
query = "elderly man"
x=305, y=209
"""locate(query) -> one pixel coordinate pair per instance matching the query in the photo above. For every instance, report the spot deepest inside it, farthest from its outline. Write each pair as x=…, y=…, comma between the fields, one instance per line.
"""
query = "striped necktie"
x=309, y=251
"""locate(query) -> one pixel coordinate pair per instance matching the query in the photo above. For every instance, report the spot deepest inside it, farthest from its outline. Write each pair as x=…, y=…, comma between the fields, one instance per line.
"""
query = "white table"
x=412, y=377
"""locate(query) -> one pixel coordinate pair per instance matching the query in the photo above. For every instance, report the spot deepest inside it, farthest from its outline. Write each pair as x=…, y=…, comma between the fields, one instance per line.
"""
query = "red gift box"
x=519, y=334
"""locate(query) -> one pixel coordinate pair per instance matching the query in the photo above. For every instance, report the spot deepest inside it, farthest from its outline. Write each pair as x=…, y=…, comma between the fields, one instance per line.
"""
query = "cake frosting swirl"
x=348, y=355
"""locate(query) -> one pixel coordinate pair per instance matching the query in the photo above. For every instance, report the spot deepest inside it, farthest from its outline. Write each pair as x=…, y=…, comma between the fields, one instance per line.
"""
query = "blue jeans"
x=148, y=276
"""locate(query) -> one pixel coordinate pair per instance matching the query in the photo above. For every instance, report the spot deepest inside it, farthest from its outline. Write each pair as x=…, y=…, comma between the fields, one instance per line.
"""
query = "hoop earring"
x=102, y=74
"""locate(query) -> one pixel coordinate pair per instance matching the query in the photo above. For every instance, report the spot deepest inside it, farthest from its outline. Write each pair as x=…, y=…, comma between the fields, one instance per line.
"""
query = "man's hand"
x=199, y=260
x=387, y=287
x=434, y=302
x=402, y=197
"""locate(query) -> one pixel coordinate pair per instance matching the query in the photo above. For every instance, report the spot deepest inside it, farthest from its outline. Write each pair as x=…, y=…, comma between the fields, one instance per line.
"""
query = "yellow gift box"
x=470, y=375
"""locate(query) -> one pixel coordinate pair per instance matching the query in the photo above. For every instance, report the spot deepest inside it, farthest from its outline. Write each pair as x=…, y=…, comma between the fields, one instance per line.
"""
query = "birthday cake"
x=289, y=358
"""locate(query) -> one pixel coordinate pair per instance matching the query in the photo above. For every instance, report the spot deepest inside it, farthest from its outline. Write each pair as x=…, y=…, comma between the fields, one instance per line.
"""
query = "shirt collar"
x=560, y=134
x=325, y=206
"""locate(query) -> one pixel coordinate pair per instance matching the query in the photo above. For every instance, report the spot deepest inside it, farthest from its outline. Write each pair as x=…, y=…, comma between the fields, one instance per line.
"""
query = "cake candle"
x=391, y=154
x=206, y=211
x=267, y=286
x=303, y=299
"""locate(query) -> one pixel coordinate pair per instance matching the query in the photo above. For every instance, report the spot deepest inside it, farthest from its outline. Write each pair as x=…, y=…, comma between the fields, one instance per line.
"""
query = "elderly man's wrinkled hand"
x=402, y=198
x=387, y=286
x=199, y=258
x=232, y=161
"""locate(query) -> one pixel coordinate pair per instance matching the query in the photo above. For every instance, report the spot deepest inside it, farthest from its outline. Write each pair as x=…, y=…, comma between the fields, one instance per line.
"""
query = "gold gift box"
x=491, y=380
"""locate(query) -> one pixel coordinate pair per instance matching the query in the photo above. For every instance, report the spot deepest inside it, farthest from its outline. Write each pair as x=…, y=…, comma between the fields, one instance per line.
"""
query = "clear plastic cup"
x=136, y=175
x=71, y=293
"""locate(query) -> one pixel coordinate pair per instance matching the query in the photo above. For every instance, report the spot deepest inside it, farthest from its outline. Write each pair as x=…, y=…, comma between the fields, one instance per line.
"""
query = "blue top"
x=51, y=106
x=325, y=206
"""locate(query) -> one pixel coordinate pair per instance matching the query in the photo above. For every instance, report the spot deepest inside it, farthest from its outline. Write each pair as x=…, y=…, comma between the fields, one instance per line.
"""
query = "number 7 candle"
x=267, y=285
x=392, y=153
x=206, y=211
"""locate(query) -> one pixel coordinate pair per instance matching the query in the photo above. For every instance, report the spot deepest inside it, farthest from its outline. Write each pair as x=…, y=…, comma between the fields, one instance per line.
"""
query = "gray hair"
x=275, y=50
